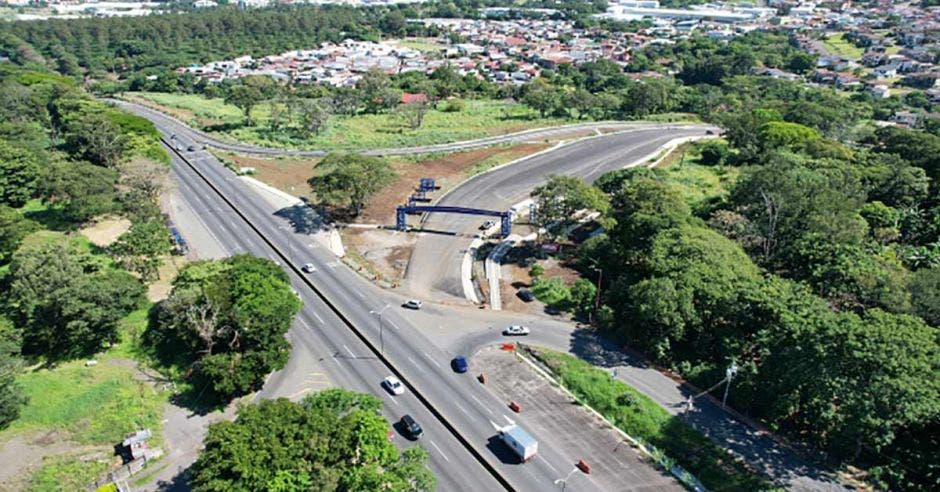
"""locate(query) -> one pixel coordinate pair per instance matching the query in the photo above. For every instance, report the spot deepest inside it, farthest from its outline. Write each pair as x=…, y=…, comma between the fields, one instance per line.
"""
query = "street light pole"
x=381, y=326
x=729, y=375
x=564, y=481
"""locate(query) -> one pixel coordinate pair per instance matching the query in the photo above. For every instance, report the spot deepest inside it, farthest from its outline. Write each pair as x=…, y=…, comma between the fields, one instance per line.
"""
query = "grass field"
x=365, y=131
x=838, y=45
x=698, y=184
x=89, y=407
x=639, y=416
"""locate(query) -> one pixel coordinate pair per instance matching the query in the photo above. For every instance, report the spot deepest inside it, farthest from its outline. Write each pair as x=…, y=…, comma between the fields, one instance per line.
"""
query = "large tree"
x=244, y=97
x=11, y=393
x=67, y=304
x=347, y=180
x=332, y=440
x=229, y=317
x=561, y=197
x=19, y=171
x=142, y=248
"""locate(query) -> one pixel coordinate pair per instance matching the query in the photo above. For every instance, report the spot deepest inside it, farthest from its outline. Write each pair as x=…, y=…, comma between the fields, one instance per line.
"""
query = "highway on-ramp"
x=434, y=268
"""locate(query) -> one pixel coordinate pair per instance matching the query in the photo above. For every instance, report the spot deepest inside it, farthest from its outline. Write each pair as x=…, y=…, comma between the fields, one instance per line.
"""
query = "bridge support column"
x=505, y=226
x=401, y=222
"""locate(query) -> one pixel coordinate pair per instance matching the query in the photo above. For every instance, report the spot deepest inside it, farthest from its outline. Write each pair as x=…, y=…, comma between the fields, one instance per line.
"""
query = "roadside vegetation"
x=809, y=267
x=440, y=124
x=268, y=447
x=643, y=419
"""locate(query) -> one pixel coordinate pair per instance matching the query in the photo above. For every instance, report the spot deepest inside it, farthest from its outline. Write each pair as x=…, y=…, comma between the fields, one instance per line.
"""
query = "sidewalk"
x=757, y=448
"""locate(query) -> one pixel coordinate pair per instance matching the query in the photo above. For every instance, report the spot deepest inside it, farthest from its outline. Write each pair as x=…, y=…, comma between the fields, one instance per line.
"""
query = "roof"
x=520, y=436
x=408, y=98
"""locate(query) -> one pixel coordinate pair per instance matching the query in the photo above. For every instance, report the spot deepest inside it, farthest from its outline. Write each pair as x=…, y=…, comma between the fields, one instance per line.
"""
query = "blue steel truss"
x=401, y=213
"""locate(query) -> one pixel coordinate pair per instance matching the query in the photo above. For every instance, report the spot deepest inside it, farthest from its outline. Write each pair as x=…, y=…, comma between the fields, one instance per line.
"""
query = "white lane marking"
x=305, y=324
x=395, y=401
x=481, y=404
x=431, y=359
x=439, y=450
x=317, y=316
x=462, y=409
x=359, y=293
x=555, y=470
x=413, y=361
x=351, y=354
x=393, y=325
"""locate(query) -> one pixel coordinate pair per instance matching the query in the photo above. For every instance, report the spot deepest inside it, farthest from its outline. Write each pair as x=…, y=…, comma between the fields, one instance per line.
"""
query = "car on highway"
x=488, y=224
x=393, y=385
x=191, y=148
x=412, y=304
x=460, y=364
x=526, y=295
x=308, y=268
x=410, y=427
x=516, y=330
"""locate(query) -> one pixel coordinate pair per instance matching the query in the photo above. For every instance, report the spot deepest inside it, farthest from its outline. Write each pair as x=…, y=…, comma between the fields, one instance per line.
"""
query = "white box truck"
x=519, y=441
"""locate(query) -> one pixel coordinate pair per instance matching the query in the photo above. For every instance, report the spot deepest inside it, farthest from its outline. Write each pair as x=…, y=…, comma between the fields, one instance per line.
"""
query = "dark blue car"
x=460, y=364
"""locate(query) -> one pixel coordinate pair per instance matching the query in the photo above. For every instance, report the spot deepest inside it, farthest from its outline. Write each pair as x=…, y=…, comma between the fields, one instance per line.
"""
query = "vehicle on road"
x=411, y=427
x=519, y=441
x=308, y=268
x=516, y=330
x=412, y=304
x=393, y=385
x=191, y=148
x=488, y=224
x=460, y=364
x=526, y=295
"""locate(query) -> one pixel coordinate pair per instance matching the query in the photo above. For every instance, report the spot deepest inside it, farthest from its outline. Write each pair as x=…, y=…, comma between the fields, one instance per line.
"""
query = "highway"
x=434, y=268
x=351, y=360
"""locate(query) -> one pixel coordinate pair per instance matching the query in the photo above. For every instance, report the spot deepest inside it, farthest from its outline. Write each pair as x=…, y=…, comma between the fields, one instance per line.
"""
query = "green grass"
x=67, y=473
x=700, y=184
x=479, y=119
x=92, y=405
x=838, y=45
x=639, y=416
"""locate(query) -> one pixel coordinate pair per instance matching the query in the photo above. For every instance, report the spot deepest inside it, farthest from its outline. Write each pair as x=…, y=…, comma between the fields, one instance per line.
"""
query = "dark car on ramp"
x=460, y=364
x=410, y=427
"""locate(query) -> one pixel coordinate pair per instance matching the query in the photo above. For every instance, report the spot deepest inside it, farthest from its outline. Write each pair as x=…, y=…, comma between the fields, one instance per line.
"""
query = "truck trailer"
x=519, y=441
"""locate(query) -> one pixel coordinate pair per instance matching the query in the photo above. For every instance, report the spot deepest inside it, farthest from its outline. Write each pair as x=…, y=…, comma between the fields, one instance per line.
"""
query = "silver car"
x=516, y=330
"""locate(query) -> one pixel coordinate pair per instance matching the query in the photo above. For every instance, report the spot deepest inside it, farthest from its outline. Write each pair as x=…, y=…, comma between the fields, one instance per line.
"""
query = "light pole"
x=381, y=325
x=290, y=244
x=564, y=481
x=729, y=375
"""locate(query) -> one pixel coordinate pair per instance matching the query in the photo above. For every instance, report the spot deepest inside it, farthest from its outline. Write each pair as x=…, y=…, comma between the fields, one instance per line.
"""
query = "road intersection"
x=337, y=338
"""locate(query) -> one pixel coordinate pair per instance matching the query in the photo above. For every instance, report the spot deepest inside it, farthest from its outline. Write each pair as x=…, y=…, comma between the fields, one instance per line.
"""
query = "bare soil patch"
x=447, y=170
x=106, y=231
x=386, y=251
x=287, y=175
x=160, y=289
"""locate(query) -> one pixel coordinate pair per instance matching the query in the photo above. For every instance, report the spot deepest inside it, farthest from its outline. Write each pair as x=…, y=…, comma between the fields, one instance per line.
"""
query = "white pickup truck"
x=521, y=443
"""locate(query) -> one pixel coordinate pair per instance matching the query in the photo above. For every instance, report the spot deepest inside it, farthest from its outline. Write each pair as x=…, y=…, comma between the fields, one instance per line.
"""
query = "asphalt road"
x=434, y=269
x=409, y=340
x=472, y=410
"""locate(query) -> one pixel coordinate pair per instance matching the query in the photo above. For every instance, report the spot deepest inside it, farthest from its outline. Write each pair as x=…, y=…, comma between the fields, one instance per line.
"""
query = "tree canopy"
x=332, y=440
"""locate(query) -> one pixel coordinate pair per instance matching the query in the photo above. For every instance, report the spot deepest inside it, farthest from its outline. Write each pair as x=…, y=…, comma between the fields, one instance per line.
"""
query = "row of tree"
x=66, y=160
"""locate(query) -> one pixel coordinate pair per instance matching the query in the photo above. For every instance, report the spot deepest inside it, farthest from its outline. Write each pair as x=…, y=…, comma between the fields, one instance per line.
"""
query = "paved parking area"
x=557, y=420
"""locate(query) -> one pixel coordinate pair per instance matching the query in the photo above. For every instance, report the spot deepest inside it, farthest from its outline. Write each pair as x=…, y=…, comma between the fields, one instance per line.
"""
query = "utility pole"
x=381, y=326
x=729, y=375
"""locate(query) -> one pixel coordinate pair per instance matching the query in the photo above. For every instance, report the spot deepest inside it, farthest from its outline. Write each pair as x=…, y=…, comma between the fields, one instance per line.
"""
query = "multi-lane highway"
x=459, y=415
x=338, y=332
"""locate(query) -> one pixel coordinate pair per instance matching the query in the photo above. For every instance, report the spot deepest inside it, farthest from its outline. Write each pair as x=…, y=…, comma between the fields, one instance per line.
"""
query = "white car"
x=516, y=330
x=412, y=304
x=309, y=268
x=488, y=224
x=393, y=385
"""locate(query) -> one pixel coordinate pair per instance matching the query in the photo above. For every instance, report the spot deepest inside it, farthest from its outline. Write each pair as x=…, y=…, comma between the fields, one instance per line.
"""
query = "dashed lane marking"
x=481, y=404
x=439, y=450
x=431, y=359
x=350, y=352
